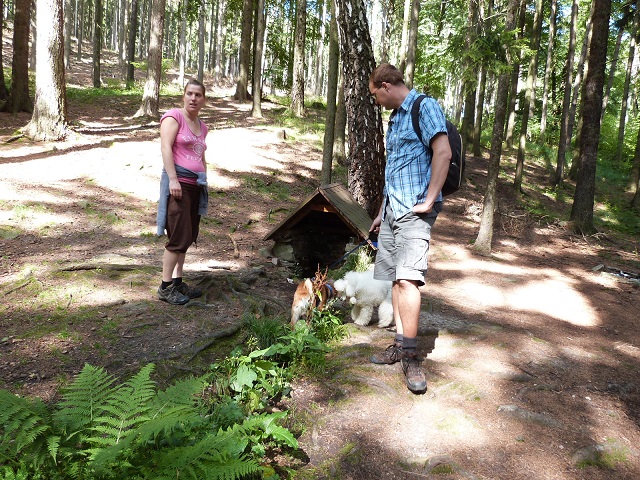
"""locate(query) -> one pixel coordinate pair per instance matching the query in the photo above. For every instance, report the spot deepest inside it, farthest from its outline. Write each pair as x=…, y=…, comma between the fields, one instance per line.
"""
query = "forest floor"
x=535, y=372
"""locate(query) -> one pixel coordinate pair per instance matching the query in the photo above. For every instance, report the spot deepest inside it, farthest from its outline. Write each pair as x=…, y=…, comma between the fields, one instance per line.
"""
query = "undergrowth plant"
x=101, y=430
x=216, y=426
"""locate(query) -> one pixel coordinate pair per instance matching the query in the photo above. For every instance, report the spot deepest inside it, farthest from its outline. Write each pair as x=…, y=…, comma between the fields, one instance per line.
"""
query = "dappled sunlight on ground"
x=507, y=285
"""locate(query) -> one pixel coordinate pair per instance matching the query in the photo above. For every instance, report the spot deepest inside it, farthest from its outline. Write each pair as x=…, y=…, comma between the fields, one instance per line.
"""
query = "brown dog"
x=310, y=293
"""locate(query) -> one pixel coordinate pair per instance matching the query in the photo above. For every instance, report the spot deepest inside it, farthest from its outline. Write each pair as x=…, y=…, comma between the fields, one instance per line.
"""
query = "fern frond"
x=215, y=457
x=23, y=424
x=170, y=411
x=83, y=400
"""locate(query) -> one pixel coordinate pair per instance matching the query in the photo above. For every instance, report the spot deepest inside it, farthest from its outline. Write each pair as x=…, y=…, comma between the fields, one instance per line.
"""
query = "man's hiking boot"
x=191, y=292
x=172, y=295
x=414, y=375
x=391, y=355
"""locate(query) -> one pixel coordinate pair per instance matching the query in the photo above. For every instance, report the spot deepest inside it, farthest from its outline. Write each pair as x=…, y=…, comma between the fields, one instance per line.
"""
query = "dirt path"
x=537, y=357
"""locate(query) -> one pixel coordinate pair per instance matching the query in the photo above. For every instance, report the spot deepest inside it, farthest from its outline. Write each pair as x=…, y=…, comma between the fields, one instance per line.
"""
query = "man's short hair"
x=387, y=73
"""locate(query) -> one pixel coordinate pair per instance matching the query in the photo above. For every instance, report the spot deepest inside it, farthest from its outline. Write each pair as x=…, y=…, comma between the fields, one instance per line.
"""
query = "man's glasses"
x=373, y=94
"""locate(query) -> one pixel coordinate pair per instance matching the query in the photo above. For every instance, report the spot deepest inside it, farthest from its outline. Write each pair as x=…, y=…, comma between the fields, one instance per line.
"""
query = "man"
x=412, y=199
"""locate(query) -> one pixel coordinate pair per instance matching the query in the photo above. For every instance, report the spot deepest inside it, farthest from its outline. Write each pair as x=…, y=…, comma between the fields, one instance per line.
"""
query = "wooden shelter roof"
x=333, y=198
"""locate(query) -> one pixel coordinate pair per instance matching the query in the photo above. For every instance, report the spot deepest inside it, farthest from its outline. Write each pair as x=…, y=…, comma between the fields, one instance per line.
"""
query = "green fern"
x=84, y=399
x=124, y=409
x=23, y=426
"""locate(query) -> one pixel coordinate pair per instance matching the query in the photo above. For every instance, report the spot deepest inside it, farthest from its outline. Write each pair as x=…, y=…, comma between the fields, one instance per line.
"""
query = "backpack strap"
x=415, y=116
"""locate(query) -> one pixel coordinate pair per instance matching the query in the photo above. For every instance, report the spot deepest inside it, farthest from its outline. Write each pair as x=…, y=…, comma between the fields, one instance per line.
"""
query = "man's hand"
x=375, y=226
x=423, y=207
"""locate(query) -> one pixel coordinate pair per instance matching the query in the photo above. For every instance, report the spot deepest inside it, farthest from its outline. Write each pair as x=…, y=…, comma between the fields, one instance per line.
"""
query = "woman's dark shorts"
x=183, y=221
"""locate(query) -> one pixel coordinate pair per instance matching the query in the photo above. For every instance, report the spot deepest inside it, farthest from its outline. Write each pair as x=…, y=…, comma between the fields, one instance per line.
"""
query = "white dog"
x=365, y=293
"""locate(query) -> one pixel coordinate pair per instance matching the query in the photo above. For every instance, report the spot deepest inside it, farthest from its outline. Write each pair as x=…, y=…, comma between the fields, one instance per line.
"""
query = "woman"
x=183, y=189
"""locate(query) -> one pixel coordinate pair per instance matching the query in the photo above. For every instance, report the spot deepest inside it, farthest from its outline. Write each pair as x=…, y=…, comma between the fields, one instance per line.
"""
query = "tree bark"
x=319, y=57
x=80, y=34
x=242, y=82
x=530, y=96
x=19, y=99
x=583, y=202
x=151, y=94
x=412, y=42
x=297, y=89
x=565, y=140
x=634, y=177
x=612, y=71
x=68, y=24
x=405, y=35
x=332, y=95
x=97, y=43
x=583, y=65
x=201, y=42
x=366, y=146
x=4, y=93
x=627, y=81
x=485, y=233
x=470, y=82
x=182, y=45
x=49, y=120
x=548, y=67
x=339, y=141
x=131, y=47
x=256, y=111
x=515, y=78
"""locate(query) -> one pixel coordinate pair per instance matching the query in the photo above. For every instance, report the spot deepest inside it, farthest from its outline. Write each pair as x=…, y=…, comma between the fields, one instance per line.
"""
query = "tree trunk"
x=530, y=96
x=131, y=47
x=565, y=139
x=182, y=45
x=68, y=26
x=549, y=67
x=123, y=38
x=319, y=68
x=634, y=177
x=366, y=146
x=332, y=94
x=577, y=88
x=477, y=125
x=4, y=93
x=612, y=71
x=405, y=35
x=297, y=89
x=97, y=43
x=582, y=209
x=242, y=81
x=412, y=42
x=339, y=141
x=485, y=233
x=482, y=79
x=515, y=78
x=256, y=111
x=49, y=120
x=19, y=99
x=151, y=94
x=627, y=81
x=80, y=34
x=470, y=83
x=201, y=42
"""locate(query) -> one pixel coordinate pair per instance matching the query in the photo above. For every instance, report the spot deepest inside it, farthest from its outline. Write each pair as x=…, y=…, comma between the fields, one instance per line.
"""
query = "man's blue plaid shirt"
x=408, y=169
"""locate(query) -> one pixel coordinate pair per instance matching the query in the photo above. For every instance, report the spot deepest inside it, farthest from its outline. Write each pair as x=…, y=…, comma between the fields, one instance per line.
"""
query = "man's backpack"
x=456, y=167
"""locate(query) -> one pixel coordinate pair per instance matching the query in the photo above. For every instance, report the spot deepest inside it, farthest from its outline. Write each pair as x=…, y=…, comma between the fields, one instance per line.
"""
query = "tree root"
x=211, y=339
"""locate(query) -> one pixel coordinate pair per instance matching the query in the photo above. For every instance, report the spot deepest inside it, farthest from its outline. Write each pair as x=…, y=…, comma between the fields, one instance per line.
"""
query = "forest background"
x=530, y=79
